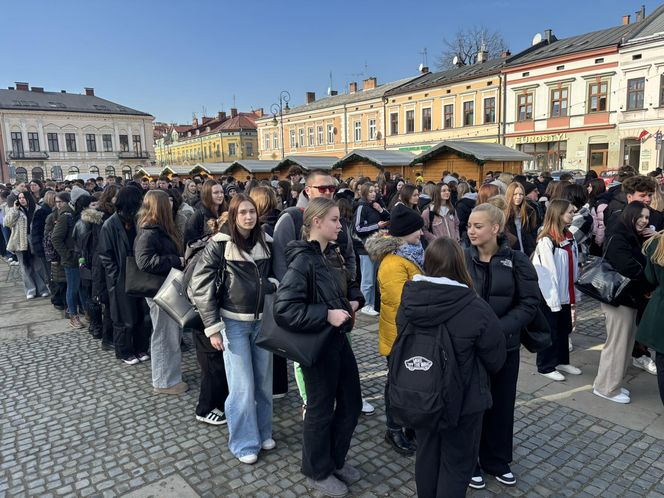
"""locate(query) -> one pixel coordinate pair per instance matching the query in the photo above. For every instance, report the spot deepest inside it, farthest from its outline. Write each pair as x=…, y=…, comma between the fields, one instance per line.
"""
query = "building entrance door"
x=598, y=157
x=632, y=153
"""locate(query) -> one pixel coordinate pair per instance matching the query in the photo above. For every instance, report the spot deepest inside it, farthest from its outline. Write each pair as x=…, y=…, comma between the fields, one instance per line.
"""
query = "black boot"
x=399, y=442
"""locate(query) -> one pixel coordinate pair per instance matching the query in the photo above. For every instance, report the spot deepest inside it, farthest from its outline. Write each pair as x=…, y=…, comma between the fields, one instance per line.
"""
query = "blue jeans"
x=74, y=299
x=6, y=233
x=165, y=354
x=368, y=268
x=249, y=372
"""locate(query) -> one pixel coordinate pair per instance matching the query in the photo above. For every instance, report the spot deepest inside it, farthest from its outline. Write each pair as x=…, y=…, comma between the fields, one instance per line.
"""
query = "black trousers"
x=445, y=460
x=58, y=293
x=107, y=325
x=279, y=375
x=214, y=386
x=498, y=421
x=130, y=339
x=389, y=422
x=659, y=361
x=561, y=327
x=328, y=429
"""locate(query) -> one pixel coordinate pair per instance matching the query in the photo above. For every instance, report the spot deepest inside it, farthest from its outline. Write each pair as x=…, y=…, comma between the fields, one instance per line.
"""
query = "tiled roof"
x=449, y=76
x=565, y=46
x=308, y=162
x=243, y=121
x=64, y=102
x=651, y=26
x=480, y=152
x=379, y=157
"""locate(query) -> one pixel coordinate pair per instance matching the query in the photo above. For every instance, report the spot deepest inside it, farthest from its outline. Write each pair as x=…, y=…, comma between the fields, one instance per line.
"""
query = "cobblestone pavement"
x=75, y=421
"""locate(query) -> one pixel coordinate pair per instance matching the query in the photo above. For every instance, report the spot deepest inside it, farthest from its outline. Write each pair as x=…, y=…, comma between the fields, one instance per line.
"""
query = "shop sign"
x=531, y=139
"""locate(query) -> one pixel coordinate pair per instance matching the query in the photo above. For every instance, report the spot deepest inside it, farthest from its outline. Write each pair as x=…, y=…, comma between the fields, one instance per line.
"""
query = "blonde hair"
x=265, y=199
x=462, y=189
x=495, y=214
x=49, y=198
x=657, y=199
x=657, y=256
x=497, y=201
x=317, y=208
x=156, y=210
x=554, y=226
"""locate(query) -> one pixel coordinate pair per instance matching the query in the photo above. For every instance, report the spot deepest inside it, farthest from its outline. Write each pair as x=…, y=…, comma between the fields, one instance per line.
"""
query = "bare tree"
x=467, y=42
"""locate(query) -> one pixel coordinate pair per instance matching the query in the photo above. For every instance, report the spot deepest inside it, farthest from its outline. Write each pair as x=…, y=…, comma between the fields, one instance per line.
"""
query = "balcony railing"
x=25, y=155
x=132, y=154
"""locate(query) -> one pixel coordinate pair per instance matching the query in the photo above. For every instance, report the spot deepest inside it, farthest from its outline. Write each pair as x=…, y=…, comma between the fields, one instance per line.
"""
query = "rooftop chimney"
x=63, y=91
x=206, y=119
x=424, y=70
x=626, y=20
x=482, y=55
x=352, y=87
x=22, y=86
x=10, y=88
x=233, y=112
x=221, y=115
x=309, y=97
x=333, y=93
x=640, y=14
x=259, y=112
x=548, y=35
x=194, y=122
x=505, y=54
x=90, y=92
x=369, y=83
x=37, y=89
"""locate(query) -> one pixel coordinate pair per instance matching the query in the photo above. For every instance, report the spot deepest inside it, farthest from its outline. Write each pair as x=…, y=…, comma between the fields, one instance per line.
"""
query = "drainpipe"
x=504, y=123
x=385, y=101
x=345, y=129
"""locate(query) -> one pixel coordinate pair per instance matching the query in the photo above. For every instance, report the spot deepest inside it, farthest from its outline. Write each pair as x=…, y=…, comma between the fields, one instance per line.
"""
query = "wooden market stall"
x=307, y=163
x=243, y=168
x=469, y=159
x=371, y=162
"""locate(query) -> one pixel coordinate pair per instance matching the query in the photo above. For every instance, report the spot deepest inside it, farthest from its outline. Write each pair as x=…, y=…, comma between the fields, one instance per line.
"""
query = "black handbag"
x=536, y=336
x=304, y=348
x=601, y=281
x=172, y=298
x=140, y=283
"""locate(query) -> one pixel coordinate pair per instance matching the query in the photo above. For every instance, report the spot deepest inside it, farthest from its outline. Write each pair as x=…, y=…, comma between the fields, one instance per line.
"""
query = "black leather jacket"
x=227, y=284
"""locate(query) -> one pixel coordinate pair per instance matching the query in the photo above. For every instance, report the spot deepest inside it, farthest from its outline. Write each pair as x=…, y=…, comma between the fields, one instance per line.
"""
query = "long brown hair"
x=554, y=226
x=206, y=198
x=522, y=210
x=444, y=258
x=265, y=199
x=437, y=199
x=106, y=201
x=156, y=210
x=486, y=192
x=255, y=235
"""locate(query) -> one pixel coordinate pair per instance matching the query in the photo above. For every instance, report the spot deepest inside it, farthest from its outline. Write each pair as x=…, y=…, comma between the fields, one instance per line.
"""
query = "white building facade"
x=50, y=135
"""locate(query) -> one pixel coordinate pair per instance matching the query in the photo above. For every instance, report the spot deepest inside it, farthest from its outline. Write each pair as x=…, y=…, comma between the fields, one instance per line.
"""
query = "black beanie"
x=404, y=221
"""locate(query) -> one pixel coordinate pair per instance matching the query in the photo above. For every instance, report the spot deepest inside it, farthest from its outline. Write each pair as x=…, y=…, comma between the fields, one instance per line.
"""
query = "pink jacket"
x=598, y=223
x=442, y=226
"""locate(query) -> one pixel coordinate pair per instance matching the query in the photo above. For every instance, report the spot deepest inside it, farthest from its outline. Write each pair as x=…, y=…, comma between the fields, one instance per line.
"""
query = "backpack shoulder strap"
x=432, y=215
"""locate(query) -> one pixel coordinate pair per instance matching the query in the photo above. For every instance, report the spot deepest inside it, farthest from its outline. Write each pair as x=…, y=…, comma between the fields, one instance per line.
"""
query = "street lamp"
x=284, y=98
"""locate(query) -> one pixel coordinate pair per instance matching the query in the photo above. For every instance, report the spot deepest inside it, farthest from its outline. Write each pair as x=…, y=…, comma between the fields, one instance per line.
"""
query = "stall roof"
x=308, y=162
x=256, y=165
x=480, y=152
x=178, y=169
x=379, y=157
x=151, y=170
x=212, y=168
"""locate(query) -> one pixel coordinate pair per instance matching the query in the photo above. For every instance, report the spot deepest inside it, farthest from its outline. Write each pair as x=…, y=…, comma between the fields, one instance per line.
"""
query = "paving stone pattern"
x=76, y=421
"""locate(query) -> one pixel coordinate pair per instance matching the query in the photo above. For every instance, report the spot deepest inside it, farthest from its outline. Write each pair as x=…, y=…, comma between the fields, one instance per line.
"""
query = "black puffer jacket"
x=225, y=284
x=623, y=251
x=293, y=305
x=37, y=230
x=464, y=207
x=197, y=224
x=155, y=251
x=63, y=240
x=479, y=344
x=509, y=284
x=528, y=231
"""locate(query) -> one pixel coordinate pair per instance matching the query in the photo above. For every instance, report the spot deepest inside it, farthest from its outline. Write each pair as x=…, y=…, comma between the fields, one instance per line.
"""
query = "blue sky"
x=172, y=59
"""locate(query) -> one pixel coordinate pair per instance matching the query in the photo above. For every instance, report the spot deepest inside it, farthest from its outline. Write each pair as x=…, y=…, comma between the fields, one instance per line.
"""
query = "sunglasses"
x=323, y=189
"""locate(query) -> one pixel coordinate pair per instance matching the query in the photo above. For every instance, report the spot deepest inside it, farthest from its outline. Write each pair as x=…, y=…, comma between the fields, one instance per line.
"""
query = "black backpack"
x=425, y=387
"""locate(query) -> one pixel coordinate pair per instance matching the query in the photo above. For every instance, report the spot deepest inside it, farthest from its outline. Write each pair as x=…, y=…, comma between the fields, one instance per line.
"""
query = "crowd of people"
x=482, y=259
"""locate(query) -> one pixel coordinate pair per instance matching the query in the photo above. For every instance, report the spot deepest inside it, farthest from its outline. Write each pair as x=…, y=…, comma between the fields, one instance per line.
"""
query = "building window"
x=231, y=149
x=394, y=123
x=469, y=113
x=524, y=104
x=310, y=136
x=266, y=140
x=330, y=133
x=21, y=175
x=217, y=152
x=108, y=142
x=73, y=170
x=91, y=142
x=426, y=119
x=275, y=141
x=250, y=149
x=94, y=170
x=319, y=132
x=559, y=98
x=56, y=173
x=292, y=138
x=448, y=116
x=300, y=141
x=136, y=139
x=37, y=173
x=372, y=129
x=70, y=142
x=33, y=142
x=490, y=110
x=17, y=143
x=53, y=144
x=635, y=88
x=124, y=143
x=410, y=121
x=357, y=131
x=597, y=96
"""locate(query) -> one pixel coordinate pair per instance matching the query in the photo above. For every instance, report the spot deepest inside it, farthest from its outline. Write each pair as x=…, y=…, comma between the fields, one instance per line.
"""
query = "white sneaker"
x=269, y=444
x=569, y=369
x=618, y=398
x=367, y=408
x=368, y=310
x=645, y=363
x=625, y=391
x=248, y=459
x=557, y=376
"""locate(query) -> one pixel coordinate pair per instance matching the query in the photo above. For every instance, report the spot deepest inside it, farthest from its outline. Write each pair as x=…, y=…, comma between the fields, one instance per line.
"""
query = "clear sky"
x=172, y=59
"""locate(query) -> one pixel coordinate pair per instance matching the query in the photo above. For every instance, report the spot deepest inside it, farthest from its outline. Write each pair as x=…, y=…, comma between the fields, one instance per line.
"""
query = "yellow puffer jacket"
x=394, y=271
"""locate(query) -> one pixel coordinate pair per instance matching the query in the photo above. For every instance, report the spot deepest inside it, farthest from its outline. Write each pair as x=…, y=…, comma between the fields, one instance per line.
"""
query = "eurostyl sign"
x=532, y=139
